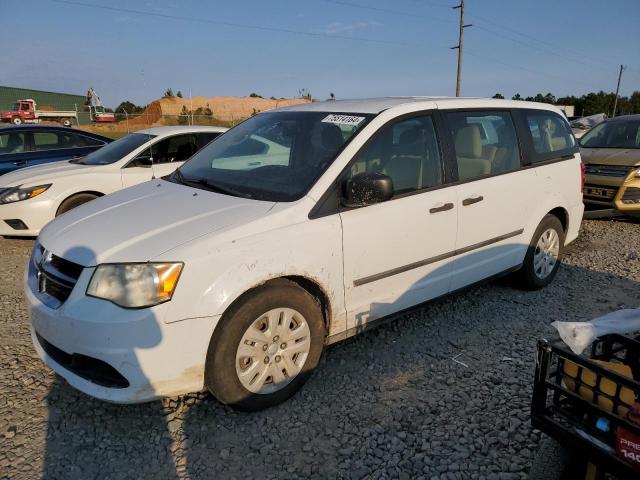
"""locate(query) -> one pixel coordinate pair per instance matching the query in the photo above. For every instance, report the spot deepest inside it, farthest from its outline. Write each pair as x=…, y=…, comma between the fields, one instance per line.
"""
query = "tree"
x=498, y=95
x=332, y=96
x=168, y=92
x=129, y=107
x=305, y=93
x=516, y=97
x=255, y=95
x=183, y=119
x=179, y=94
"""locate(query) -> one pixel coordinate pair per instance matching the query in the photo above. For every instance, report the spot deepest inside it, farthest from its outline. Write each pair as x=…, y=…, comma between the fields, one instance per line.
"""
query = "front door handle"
x=441, y=208
x=472, y=200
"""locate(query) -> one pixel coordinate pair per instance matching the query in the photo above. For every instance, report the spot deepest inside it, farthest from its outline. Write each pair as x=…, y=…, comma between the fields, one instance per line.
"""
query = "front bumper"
x=622, y=194
x=34, y=214
x=86, y=340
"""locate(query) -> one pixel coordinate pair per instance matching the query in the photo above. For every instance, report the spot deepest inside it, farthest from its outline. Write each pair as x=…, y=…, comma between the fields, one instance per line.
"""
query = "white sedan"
x=31, y=197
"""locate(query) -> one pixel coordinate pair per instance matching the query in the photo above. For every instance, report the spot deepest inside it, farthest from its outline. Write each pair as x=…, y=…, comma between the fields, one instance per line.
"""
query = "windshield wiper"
x=209, y=185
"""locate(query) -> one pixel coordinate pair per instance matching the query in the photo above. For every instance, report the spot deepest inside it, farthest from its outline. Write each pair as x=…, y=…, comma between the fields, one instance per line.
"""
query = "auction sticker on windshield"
x=343, y=119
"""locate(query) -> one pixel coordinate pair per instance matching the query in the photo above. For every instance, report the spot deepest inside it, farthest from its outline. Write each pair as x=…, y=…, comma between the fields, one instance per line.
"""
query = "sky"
x=134, y=50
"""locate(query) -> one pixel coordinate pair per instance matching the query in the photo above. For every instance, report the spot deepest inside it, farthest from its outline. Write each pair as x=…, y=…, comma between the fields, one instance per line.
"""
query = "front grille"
x=600, y=193
x=631, y=195
x=89, y=368
x=607, y=170
x=55, y=277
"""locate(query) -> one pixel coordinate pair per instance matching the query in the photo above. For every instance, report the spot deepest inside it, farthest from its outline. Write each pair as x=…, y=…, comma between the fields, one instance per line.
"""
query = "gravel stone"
x=390, y=403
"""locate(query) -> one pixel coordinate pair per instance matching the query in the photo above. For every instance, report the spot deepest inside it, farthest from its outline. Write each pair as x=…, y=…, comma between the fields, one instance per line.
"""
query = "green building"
x=46, y=100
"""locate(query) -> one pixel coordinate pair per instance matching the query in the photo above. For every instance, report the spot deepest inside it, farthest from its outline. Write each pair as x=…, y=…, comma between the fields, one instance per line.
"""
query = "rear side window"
x=550, y=134
x=82, y=141
x=12, y=142
x=485, y=143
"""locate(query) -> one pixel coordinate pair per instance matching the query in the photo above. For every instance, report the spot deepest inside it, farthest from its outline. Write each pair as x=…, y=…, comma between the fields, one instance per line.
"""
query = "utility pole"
x=459, y=46
x=615, y=103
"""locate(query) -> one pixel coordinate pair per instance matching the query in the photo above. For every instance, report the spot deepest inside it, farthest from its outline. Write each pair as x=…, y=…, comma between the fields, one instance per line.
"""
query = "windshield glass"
x=115, y=151
x=273, y=156
x=613, y=134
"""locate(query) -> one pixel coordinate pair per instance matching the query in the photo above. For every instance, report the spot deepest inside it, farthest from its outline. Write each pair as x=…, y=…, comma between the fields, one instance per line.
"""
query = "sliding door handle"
x=472, y=200
x=441, y=208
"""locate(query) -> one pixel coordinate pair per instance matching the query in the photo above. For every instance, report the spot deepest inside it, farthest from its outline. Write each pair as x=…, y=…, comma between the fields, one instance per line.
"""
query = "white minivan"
x=298, y=228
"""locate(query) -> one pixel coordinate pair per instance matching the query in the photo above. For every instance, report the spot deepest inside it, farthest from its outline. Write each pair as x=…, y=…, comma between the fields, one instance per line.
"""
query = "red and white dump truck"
x=25, y=111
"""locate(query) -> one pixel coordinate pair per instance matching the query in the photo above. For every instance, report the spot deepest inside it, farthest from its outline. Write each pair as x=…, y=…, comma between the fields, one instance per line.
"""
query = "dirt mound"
x=225, y=108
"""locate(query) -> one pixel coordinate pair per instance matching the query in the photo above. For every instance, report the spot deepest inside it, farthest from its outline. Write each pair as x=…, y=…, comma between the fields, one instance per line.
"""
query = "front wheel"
x=542, y=261
x=66, y=122
x=265, y=347
x=74, y=201
x=16, y=121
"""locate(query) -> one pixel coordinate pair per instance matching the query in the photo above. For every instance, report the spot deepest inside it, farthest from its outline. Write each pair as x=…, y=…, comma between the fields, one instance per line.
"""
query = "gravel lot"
x=443, y=392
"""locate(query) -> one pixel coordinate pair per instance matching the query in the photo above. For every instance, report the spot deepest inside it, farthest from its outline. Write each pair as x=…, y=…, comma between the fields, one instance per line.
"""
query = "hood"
x=139, y=223
x=624, y=157
x=43, y=173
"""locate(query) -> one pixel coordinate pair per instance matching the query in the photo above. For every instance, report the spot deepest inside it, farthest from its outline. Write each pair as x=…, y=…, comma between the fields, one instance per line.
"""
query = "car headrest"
x=468, y=142
x=331, y=137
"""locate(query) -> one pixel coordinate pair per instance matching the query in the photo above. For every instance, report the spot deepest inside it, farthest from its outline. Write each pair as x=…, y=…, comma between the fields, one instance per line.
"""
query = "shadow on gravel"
x=444, y=384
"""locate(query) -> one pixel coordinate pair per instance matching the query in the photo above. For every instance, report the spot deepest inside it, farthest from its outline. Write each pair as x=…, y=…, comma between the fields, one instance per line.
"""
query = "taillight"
x=582, y=177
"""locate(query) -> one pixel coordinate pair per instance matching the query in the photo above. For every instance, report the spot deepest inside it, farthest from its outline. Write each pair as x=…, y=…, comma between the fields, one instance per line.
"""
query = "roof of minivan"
x=377, y=105
x=180, y=129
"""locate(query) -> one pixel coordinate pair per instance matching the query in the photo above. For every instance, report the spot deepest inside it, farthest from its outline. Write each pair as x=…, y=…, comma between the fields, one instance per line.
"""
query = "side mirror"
x=366, y=189
x=144, y=162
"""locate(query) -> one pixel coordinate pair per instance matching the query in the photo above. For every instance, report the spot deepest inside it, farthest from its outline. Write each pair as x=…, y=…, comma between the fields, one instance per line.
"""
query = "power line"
x=387, y=10
x=285, y=30
x=556, y=48
x=233, y=24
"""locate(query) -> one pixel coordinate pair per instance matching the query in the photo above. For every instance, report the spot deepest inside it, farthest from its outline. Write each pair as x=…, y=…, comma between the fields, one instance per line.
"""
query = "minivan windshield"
x=613, y=134
x=274, y=156
x=115, y=151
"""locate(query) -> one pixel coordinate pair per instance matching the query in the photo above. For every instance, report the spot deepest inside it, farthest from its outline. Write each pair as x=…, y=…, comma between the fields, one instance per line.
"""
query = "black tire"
x=16, y=121
x=74, y=201
x=526, y=276
x=66, y=122
x=221, y=377
x=555, y=462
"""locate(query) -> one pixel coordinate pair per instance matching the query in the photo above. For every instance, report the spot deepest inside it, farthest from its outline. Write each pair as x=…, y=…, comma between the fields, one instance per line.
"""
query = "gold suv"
x=611, y=154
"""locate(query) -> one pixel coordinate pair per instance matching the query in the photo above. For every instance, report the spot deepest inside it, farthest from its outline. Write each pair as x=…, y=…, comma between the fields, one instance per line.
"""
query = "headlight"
x=135, y=285
x=637, y=173
x=18, y=194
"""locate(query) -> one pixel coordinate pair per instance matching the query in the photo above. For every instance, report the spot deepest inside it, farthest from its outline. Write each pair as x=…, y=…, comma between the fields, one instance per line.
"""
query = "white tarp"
x=579, y=335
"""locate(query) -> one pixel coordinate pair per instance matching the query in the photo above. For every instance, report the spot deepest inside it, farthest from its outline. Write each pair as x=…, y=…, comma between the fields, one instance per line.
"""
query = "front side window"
x=550, y=133
x=117, y=150
x=485, y=143
x=173, y=149
x=274, y=156
x=613, y=134
x=12, y=142
x=406, y=151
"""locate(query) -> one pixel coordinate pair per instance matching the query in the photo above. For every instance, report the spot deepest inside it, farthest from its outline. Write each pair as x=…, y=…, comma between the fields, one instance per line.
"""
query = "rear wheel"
x=16, y=121
x=542, y=261
x=75, y=201
x=66, y=122
x=265, y=347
